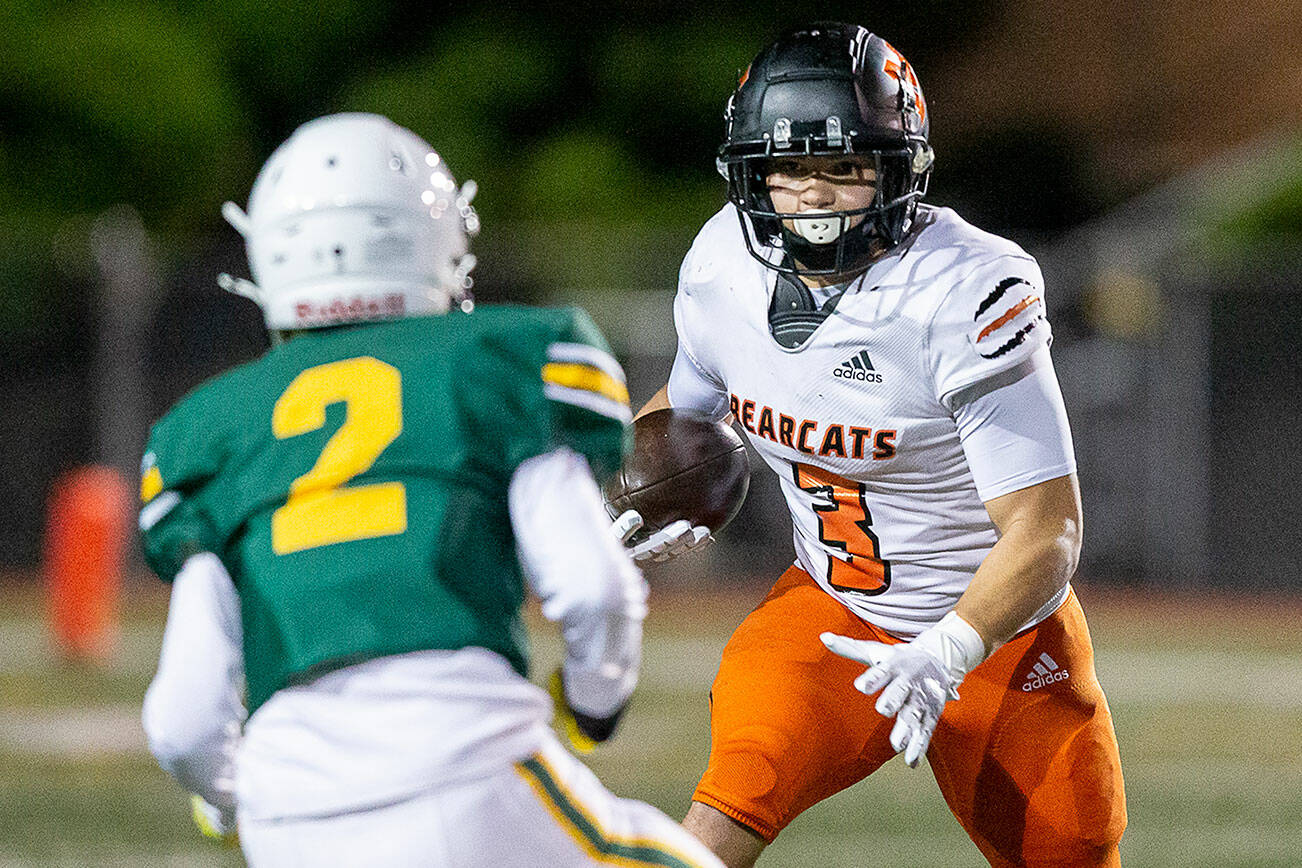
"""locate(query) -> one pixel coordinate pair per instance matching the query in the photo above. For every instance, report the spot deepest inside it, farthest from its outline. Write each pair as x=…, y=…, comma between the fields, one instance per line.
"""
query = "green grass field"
x=1207, y=700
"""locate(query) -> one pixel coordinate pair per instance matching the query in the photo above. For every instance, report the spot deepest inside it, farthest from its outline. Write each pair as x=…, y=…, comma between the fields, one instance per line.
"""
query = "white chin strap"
x=817, y=226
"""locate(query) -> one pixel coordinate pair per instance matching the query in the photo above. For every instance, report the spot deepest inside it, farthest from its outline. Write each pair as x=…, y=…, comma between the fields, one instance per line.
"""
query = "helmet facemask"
x=852, y=243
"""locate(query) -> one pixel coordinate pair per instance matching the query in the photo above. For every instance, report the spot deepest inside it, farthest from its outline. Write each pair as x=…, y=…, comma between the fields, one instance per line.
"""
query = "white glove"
x=670, y=541
x=915, y=678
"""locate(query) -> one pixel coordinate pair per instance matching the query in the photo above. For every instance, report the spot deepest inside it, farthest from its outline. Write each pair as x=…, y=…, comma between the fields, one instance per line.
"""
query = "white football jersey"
x=862, y=421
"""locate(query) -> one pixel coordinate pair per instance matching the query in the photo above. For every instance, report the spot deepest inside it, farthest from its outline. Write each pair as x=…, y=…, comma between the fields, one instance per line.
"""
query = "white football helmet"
x=352, y=219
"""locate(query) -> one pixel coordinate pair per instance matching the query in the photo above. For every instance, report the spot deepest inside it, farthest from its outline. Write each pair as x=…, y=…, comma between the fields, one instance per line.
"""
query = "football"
x=684, y=465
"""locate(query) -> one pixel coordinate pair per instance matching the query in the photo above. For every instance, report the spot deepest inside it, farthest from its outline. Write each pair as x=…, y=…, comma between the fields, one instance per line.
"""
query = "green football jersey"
x=354, y=481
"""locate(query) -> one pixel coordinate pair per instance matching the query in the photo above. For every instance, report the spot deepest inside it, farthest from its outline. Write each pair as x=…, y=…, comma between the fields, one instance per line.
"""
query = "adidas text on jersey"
x=857, y=367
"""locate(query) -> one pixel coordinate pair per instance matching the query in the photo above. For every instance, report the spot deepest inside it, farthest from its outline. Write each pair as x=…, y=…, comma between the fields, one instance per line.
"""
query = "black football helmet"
x=827, y=89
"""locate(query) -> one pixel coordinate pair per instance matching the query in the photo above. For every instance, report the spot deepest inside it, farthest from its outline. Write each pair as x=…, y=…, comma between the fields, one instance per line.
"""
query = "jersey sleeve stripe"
x=151, y=484
x=585, y=354
x=573, y=375
x=158, y=507
x=593, y=401
x=1015, y=341
x=998, y=293
x=1007, y=316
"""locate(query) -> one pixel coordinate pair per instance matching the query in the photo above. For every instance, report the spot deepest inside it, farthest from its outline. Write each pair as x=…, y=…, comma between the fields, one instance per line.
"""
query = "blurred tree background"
x=586, y=130
x=591, y=130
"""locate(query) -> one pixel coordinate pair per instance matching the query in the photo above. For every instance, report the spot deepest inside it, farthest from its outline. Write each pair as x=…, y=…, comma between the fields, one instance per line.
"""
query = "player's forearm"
x=202, y=761
x=603, y=642
x=192, y=711
x=585, y=580
x=659, y=401
x=1029, y=564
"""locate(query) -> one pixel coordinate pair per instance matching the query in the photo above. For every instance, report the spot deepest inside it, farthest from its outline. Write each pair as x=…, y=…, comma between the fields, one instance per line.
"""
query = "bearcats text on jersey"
x=841, y=441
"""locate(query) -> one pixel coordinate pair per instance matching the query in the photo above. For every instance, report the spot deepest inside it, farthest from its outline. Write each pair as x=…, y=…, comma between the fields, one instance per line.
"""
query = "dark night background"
x=1152, y=159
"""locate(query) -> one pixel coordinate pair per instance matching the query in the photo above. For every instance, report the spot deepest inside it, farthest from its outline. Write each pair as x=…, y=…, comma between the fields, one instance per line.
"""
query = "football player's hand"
x=582, y=731
x=670, y=541
x=915, y=678
x=214, y=823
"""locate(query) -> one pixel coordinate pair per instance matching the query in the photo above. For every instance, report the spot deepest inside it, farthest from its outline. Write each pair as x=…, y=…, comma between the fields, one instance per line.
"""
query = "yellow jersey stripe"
x=585, y=354
x=573, y=375
x=150, y=484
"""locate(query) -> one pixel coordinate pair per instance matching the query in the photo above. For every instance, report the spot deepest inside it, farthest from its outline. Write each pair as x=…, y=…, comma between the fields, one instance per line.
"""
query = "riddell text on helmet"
x=350, y=309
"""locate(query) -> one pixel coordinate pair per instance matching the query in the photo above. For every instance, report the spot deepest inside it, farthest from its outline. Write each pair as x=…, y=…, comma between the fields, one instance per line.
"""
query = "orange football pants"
x=1026, y=758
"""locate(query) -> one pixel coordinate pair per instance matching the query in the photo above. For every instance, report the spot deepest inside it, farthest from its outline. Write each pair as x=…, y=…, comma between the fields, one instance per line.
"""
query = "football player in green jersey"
x=351, y=523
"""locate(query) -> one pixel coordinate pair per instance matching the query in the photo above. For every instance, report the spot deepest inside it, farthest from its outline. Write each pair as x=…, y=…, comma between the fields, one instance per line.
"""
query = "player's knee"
x=1096, y=854
x=1100, y=848
x=735, y=844
x=1092, y=848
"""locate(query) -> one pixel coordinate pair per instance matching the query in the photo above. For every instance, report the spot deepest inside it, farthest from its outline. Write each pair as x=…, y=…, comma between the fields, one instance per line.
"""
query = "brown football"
x=683, y=465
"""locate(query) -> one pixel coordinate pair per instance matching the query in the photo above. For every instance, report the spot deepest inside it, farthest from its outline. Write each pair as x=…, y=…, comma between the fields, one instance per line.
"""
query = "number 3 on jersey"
x=844, y=523
x=321, y=510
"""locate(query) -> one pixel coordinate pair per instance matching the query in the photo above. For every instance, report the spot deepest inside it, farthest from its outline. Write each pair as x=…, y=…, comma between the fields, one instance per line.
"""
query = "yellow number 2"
x=321, y=510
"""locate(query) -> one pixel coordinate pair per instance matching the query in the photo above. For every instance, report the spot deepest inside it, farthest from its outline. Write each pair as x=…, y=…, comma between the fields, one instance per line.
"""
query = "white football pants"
x=548, y=811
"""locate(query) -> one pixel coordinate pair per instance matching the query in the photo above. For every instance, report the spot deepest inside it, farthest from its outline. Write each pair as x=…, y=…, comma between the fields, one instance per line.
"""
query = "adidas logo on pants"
x=1046, y=671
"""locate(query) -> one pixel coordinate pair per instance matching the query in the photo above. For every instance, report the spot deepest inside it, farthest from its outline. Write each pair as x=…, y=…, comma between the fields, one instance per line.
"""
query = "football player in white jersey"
x=890, y=363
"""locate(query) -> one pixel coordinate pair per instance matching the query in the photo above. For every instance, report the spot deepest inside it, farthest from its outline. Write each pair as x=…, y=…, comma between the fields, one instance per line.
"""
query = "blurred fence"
x=1184, y=383
x=1182, y=380
x=1187, y=430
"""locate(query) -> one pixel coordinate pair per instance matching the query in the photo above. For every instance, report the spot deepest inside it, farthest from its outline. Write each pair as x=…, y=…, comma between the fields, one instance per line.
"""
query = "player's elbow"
x=1050, y=550
x=178, y=730
x=170, y=741
x=1053, y=539
x=1062, y=549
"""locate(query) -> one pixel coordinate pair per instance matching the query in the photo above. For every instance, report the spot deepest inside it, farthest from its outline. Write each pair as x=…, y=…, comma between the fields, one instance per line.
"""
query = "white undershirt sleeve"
x=193, y=710
x=583, y=577
x=1014, y=428
x=690, y=388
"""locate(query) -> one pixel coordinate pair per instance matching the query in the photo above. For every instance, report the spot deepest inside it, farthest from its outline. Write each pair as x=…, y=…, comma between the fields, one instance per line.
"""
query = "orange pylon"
x=85, y=556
